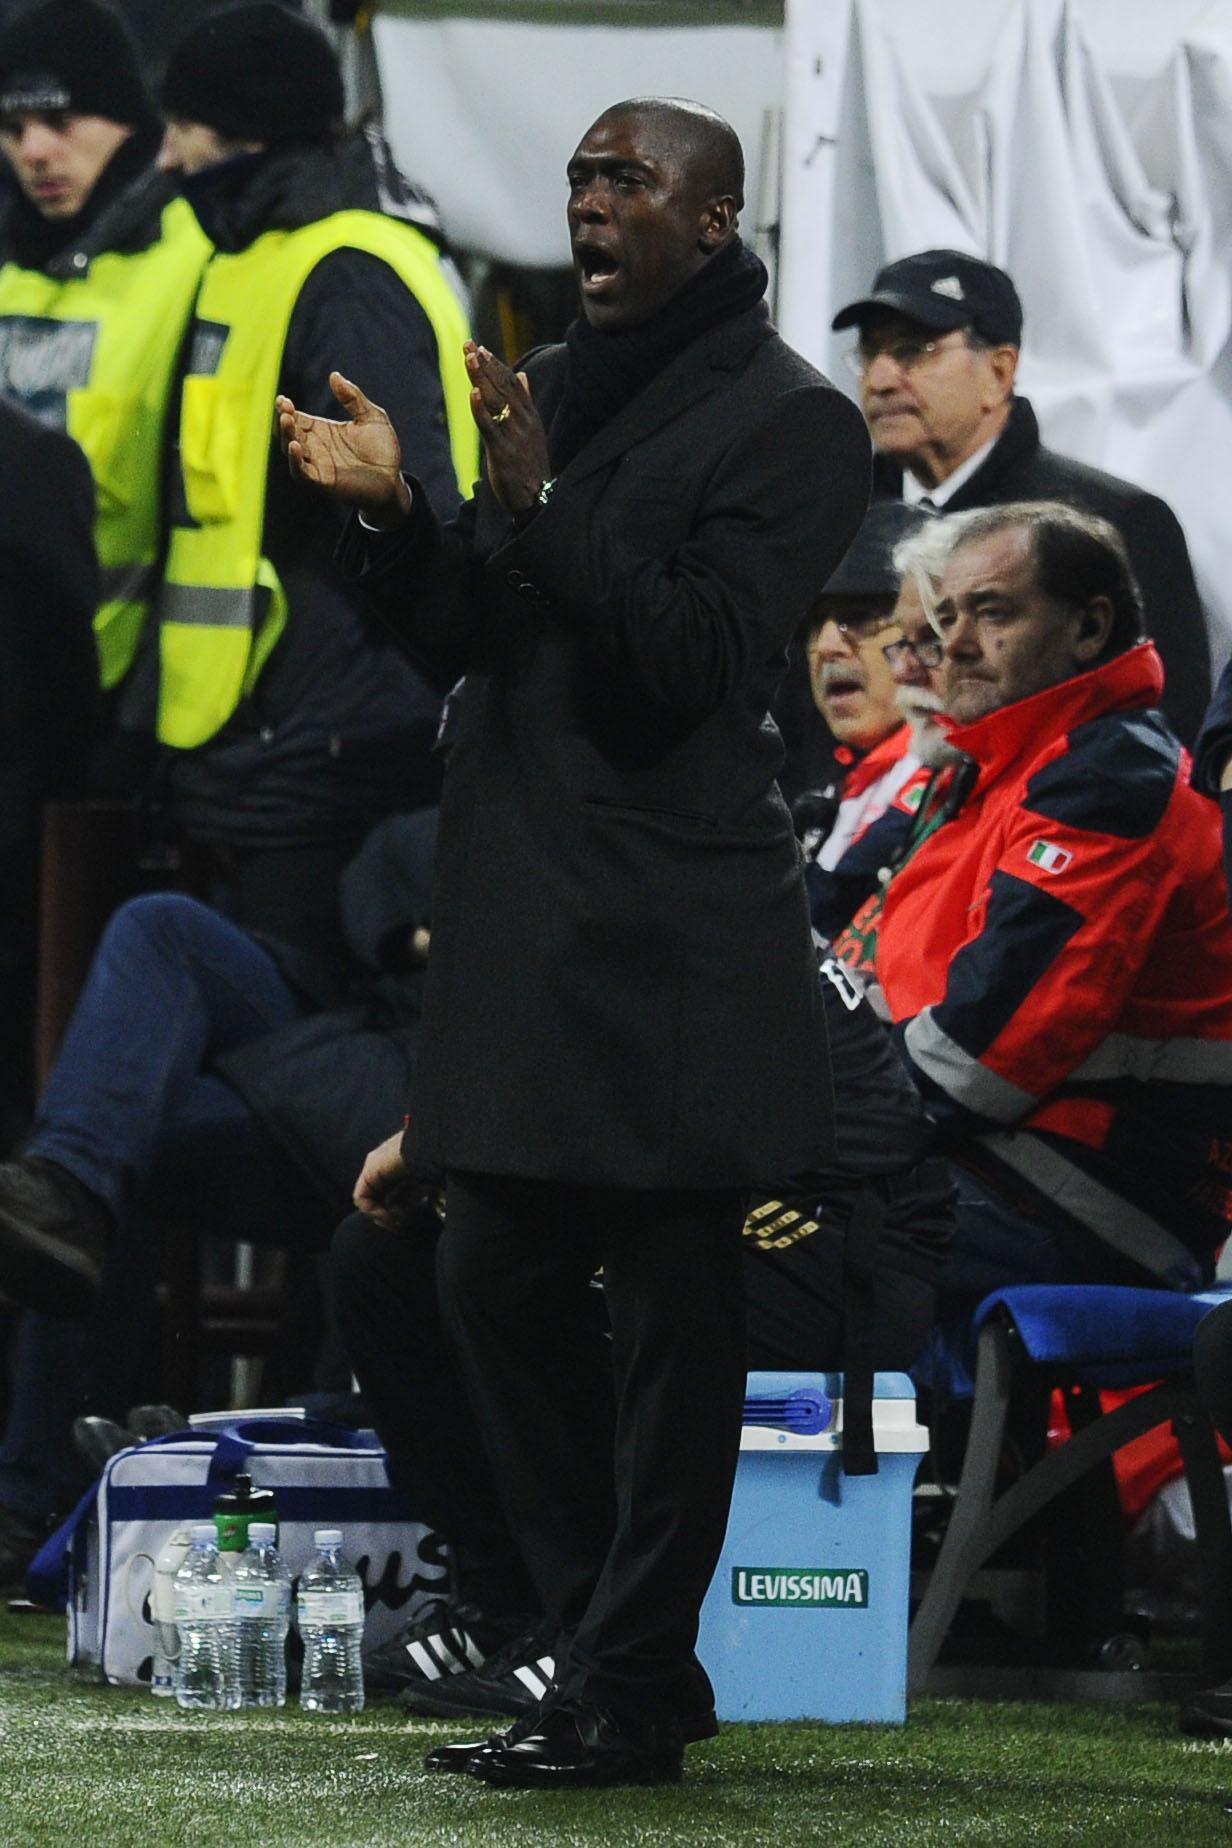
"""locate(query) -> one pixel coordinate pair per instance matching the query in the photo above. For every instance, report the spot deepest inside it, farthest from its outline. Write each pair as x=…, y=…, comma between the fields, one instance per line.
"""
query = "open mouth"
x=597, y=269
x=841, y=687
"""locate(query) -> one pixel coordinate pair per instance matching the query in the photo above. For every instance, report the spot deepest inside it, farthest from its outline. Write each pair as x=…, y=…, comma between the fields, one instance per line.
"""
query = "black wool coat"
x=1020, y=468
x=621, y=989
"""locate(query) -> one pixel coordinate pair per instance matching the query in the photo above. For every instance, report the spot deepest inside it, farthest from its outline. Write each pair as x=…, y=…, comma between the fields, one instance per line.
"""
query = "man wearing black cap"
x=288, y=720
x=100, y=266
x=936, y=358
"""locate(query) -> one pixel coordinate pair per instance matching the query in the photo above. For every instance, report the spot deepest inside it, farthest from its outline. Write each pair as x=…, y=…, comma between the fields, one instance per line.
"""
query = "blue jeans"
x=134, y=1113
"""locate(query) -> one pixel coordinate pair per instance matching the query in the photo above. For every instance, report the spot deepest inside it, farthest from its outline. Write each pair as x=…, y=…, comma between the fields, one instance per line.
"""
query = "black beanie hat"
x=73, y=55
x=256, y=73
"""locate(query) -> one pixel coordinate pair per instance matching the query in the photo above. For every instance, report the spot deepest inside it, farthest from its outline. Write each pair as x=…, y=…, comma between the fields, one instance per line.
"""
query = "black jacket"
x=340, y=726
x=1020, y=468
x=49, y=694
x=622, y=988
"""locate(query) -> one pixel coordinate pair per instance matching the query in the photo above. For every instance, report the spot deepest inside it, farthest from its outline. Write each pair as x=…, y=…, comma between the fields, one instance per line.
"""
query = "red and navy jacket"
x=1059, y=958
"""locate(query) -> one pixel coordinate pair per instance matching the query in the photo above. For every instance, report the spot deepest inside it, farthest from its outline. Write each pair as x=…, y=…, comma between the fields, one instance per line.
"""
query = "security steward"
x=623, y=1026
x=100, y=268
x=288, y=722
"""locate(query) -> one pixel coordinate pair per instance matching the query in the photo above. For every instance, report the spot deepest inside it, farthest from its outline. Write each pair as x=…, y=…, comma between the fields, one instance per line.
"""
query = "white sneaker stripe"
x=547, y=1666
x=424, y=1661
x=531, y=1681
x=474, y=1654
x=446, y=1657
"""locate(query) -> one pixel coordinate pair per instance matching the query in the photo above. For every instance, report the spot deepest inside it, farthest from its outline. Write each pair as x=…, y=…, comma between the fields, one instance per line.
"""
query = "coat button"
x=516, y=579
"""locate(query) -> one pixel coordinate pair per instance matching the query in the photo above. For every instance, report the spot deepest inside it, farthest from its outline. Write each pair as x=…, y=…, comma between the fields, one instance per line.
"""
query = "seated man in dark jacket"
x=937, y=354
x=205, y=1080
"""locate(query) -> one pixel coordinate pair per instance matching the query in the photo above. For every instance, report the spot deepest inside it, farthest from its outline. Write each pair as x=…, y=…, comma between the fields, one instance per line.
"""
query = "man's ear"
x=719, y=219
x=1001, y=370
x=1094, y=626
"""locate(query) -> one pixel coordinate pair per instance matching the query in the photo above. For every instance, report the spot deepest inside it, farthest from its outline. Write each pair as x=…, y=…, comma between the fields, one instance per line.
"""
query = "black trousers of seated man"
x=614, y=1459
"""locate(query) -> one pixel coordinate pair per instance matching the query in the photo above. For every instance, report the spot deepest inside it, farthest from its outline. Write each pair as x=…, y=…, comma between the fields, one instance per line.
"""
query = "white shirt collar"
x=914, y=491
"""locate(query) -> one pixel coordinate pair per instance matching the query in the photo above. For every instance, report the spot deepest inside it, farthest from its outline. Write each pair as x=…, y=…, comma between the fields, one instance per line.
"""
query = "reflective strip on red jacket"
x=1059, y=958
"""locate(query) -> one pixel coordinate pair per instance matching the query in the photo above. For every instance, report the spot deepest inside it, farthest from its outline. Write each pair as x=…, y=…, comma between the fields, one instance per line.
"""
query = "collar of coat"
x=1019, y=439
x=696, y=372
x=1017, y=733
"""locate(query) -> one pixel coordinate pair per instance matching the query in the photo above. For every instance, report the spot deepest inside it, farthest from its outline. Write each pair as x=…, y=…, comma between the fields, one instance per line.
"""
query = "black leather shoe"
x=1208, y=1714
x=53, y=1238
x=458, y=1757
x=579, y=1747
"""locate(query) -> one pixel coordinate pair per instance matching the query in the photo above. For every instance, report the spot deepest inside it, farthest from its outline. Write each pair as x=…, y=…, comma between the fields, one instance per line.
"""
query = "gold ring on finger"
x=502, y=414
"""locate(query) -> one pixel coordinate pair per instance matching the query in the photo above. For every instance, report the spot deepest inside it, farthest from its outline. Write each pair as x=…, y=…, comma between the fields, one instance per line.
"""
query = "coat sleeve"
x=682, y=630
x=1055, y=947
x=420, y=580
x=1175, y=619
x=50, y=701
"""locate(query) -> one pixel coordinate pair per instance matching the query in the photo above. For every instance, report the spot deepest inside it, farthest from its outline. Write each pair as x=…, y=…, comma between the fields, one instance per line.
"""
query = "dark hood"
x=290, y=187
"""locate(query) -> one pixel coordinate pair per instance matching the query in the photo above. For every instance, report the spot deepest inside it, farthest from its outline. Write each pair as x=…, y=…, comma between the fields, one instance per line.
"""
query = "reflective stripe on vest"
x=221, y=608
x=96, y=356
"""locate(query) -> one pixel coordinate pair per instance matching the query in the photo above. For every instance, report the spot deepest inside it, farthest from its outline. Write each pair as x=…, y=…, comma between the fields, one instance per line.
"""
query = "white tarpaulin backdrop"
x=485, y=112
x=1086, y=148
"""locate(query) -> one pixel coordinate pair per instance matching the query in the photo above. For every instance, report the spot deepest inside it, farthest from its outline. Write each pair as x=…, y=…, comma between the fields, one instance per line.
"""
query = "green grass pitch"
x=99, y=1767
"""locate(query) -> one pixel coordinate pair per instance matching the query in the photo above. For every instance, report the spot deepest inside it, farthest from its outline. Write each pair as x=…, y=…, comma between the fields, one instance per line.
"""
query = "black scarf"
x=607, y=370
x=33, y=241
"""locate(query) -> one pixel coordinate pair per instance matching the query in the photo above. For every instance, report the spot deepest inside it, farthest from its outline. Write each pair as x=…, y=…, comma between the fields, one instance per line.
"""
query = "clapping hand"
x=514, y=440
x=356, y=460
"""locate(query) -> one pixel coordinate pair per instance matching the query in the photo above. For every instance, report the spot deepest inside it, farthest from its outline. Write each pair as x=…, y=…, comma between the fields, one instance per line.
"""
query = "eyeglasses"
x=863, y=627
x=907, y=354
x=928, y=653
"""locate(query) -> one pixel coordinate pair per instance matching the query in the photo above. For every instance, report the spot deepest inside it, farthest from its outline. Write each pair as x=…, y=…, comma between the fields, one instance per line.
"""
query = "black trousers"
x=390, y=1322
x=614, y=1459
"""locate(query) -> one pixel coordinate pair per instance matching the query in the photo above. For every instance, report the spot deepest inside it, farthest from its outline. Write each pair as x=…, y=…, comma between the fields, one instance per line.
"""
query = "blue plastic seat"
x=1095, y=1336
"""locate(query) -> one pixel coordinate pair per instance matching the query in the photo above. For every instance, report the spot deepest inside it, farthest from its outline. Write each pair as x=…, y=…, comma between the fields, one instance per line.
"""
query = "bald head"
x=706, y=146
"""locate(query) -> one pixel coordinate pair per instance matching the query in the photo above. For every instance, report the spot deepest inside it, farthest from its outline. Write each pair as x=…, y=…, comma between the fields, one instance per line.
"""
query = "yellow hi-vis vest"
x=96, y=355
x=221, y=608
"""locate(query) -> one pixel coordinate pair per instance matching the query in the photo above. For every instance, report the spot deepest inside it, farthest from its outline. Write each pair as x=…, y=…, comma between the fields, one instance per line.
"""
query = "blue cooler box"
x=806, y=1616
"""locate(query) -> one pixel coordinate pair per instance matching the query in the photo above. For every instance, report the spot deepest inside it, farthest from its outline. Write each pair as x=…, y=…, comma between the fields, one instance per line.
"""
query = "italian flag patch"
x=1048, y=855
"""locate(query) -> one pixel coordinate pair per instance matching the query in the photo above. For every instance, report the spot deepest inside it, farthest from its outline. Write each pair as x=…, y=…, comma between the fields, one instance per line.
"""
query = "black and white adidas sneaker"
x=510, y=1683
x=447, y=1641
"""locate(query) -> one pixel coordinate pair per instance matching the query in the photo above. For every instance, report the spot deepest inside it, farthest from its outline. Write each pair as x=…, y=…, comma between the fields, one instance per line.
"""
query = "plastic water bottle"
x=207, y=1672
x=262, y=1587
x=162, y=1603
x=330, y=1612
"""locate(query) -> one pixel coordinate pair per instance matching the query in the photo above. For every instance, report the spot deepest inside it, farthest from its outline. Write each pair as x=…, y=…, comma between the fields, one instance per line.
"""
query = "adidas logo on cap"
x=949, y=285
